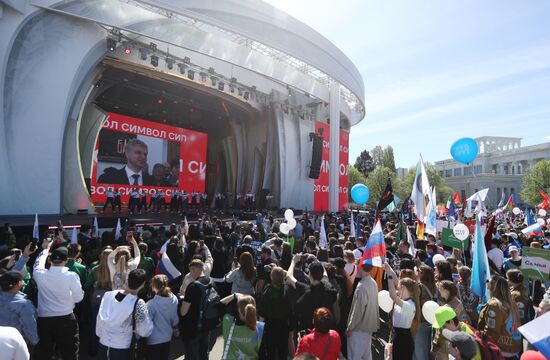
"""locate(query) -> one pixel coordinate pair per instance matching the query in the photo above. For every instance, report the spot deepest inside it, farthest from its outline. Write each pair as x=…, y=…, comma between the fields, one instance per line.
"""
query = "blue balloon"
x=360, y=194
x=464, y=150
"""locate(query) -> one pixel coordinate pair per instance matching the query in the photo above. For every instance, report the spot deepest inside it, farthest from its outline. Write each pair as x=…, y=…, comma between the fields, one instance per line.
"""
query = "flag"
x=509, y=204
x=411, y=242
x=502, y=198
x=482, y=194
x=74, y=237
x=489, y=233
x=529, y=219
x=323, y=235
x=396, y=199
x=399, y=233
x=420, y=230
x=165, y=265
x=456, y=198
x=468, y=209
x=390, y=207
x=449, y=201
x=451, y=213
x=96, y=226
x=118, y=230
x=536, y=332
x=545, y=201
x=480, y=266
x=431, y=218
x=352, y=226
x=480, y=207
x=387, y=197
x=421, y=188
x=532, y=230
x=35, y=231
x=375, y=250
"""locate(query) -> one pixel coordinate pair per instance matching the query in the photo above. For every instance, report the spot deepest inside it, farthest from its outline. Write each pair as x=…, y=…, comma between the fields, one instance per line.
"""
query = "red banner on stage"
x=165, y=157
x=321, y=185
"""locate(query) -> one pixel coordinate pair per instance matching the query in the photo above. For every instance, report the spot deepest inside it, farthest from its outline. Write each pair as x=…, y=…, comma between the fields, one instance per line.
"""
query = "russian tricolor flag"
x=532, y=230
x=375, y=250
x=536, y=332
x=165, y=266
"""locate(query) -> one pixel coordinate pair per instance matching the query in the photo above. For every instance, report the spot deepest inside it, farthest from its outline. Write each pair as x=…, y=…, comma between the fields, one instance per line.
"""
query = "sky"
x=436, y=71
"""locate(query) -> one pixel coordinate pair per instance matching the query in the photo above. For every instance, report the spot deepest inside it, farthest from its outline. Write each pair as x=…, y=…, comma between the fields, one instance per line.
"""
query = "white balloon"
x=428, y=310
x=384, y=301
x=461, y=232
x=541, y=222
x=516, y=211
x=542, y=212
x=291, y=223
x=289, y=214
x=548, y=221
x=437, y=258
x=284, y=228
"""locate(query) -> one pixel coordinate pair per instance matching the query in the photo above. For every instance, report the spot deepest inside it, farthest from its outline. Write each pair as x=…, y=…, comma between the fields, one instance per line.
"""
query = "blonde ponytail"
x=247, y=310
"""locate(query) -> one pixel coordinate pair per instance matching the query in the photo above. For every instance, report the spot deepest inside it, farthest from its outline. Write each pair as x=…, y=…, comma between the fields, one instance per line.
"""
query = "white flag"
x=96, y=226
x=481, y=194
x=421, y=188
x=35, y=232
x=411, y=242
x=118, y=230
x=322, y=235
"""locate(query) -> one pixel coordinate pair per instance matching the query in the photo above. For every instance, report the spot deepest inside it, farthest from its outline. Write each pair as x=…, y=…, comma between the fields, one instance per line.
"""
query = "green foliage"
x=377, y=154
x=355, y=177
x=536, y=179
x=376, y=182
x=364, y=163
x=389, y=160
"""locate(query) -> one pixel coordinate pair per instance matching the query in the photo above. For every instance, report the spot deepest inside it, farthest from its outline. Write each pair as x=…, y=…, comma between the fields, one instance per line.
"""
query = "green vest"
x=244, y=344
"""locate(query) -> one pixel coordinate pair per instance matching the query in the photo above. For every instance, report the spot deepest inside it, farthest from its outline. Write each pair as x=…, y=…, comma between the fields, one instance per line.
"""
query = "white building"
x=500, y=166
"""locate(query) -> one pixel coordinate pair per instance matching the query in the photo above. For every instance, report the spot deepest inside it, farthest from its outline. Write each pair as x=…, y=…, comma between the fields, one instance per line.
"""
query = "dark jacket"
x=312, y=298
x=119, y=177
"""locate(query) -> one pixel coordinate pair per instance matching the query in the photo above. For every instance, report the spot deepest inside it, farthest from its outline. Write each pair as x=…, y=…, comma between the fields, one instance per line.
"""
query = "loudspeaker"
x=316, y=156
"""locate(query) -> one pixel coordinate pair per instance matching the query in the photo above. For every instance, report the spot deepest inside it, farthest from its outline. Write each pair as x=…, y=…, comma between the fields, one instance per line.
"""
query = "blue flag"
x=480, y=266
x=451, y=213
x=358, y=227
x=529, y=217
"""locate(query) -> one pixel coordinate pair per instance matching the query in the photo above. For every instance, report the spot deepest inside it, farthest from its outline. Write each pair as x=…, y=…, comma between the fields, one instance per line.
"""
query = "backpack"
x=487, y=347
x=209, y=314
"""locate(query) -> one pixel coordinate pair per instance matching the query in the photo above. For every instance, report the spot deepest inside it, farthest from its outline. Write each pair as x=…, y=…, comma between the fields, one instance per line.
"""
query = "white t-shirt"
x=403, y=316
x=496, y=256
x=351, y=270
x=12, y=344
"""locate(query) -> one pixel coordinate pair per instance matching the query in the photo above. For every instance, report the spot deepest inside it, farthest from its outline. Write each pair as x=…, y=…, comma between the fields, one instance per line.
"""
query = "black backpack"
x=209, y=314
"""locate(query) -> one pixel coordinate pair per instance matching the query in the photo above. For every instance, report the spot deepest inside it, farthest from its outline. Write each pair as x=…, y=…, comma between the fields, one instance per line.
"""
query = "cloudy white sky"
x=436, y=71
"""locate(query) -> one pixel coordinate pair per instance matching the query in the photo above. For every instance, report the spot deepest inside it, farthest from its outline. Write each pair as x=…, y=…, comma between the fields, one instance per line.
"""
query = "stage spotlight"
x=221, y=86
x=153, y=46
x=191, y=75
x=182, y=68
x=232, y=88
x=186, y=60
x=211, y=71
x=170, y=63
x=154, y=60
x=240, y=90
x=111, y=44
x=246, y=95
x=233, y=80
x=214, y=80
x=128, y=51
x=143, y=53
x=204, y=77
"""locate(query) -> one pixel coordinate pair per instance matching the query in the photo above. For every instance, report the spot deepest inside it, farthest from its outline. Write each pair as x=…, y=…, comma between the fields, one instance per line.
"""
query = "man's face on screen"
x=136, y=157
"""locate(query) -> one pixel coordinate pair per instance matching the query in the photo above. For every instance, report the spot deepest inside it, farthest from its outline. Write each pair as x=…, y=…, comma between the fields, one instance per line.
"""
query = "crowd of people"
x=302, y=295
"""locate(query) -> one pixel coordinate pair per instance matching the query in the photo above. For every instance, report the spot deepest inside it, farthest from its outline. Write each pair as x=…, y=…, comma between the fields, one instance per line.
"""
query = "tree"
x=377, y=154
x=355, y=177
x=389, y=160
x=443, y=191
x=376, y=182
x=364, y=163
x=536, y=179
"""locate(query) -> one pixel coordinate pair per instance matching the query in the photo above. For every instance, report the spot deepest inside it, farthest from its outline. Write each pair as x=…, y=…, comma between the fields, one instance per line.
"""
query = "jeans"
x=107, y=353
x=360, y=345
x=196, y=347
x=59, y=333
x=422, y=341
x=158, y=351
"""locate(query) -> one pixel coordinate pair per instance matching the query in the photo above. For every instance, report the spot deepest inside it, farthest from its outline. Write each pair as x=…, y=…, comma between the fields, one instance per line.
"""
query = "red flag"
x=489, y=232
x=545, y=201
x=456, y=198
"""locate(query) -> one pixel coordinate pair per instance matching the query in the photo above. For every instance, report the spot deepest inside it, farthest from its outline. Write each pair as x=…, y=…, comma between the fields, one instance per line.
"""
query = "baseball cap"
x=465, y=344
x=442, y=315
x=10, y=278
x=59, y=254
x=513, y=248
